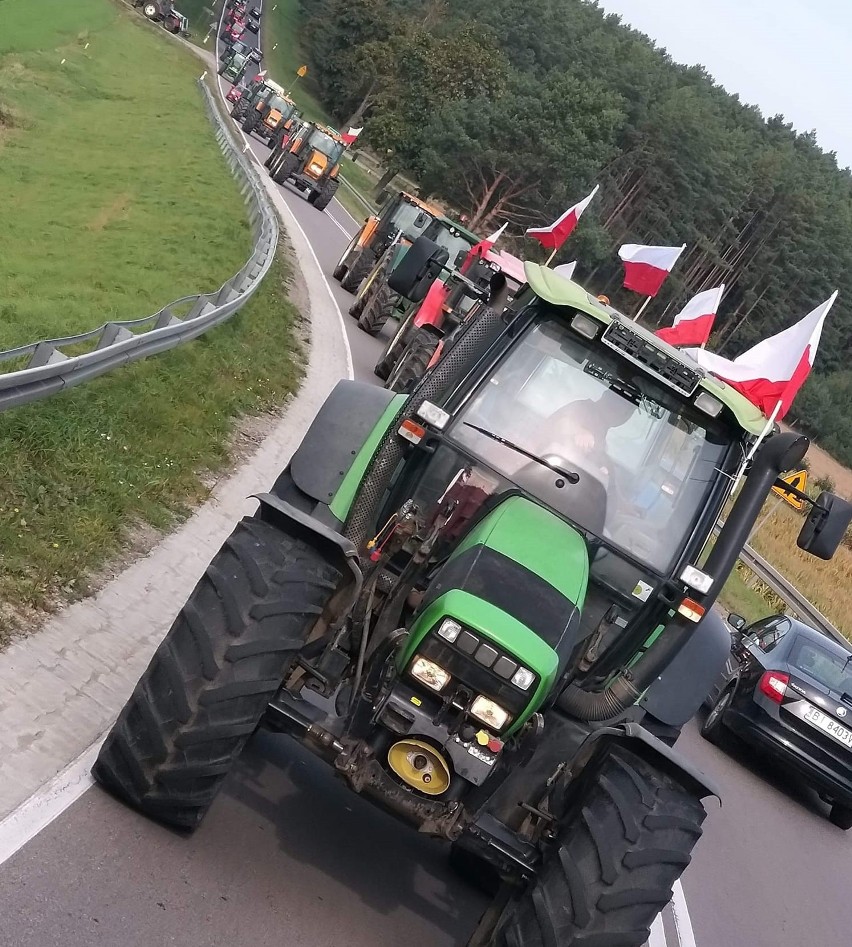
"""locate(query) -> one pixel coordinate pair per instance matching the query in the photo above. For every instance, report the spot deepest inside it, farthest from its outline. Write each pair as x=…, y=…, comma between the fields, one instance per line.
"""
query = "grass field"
x=117, y=201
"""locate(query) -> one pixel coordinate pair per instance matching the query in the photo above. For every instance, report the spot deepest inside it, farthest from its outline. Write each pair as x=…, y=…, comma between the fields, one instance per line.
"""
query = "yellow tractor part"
x=316, y=164
x=272, y=120
x=420, y=766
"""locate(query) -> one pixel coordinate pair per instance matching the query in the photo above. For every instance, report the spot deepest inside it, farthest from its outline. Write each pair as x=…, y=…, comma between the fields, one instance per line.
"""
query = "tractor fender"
x=638, y=740
x=327, y=541
x=336, y=435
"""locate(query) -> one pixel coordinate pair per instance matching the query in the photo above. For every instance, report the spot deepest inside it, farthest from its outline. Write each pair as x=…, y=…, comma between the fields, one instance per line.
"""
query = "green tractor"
x=462, y=600
x=234, y=67
x=403, y=219
x=376, y=302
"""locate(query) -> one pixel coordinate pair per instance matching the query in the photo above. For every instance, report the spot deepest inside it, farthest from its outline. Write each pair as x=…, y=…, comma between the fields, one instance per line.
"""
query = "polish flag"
x=645, y=268
x=566, y=269
x=693, y=323
x=552, y=237
x=771, y=373
x=481, y=249
x=350, y=136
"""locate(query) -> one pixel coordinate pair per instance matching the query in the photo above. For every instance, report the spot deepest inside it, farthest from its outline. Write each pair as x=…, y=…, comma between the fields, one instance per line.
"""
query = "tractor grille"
x=653, y=360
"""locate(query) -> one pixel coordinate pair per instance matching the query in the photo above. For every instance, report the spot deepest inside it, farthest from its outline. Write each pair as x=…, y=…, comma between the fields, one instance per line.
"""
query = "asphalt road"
x=288, y=856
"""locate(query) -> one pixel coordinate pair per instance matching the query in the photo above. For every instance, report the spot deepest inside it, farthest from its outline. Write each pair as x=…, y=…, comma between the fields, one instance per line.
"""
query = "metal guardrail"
x=797, y=604
x=370, y=208
x=49, y=370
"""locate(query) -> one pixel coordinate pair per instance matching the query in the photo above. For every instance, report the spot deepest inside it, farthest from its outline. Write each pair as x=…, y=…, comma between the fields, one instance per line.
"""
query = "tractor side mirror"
x=461, y=256
x=825, y=526
x=418, y=269
x=736, y=621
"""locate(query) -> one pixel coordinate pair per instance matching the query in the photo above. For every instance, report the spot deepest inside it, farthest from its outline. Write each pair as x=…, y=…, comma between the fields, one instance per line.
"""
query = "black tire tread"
x=359, y=271
x=324, y=196
x=614, y=865
x=378, y=310
x=413, y=361
x=212, y=676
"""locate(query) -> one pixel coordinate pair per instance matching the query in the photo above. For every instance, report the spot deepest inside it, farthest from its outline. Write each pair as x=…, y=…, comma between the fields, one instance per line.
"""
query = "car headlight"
x=489, y=712
x=429, y=673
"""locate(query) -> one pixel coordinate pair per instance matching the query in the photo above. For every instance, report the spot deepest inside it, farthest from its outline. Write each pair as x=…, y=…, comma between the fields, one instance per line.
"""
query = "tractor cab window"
x=278, y=103
x=326, y=145
x=645, y=462
x=453, y=242
x=411, y=220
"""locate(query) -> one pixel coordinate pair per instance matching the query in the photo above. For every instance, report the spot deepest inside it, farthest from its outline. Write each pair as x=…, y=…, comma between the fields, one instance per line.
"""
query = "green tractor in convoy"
x=464, y=599
x=402, y=219
x=376, y=301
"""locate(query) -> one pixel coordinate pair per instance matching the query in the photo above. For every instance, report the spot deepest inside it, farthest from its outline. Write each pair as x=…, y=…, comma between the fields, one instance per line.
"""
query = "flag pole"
x=642, y=308
x=767, y=428
x=549, y=260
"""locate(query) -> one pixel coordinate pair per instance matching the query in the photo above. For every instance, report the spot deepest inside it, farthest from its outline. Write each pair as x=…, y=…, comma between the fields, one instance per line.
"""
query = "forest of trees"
x=511, y=111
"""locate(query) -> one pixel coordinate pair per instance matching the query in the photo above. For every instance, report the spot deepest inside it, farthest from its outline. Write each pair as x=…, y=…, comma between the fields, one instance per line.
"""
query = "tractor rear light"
x=432, y=414
x=774, y=685
x=585, y=325
x=691, y=609
x=523, y=678
x=696, y=579
x=412, y=431
x=708, y=404
x=449, y=630
x=489, y=712
x=429, y=673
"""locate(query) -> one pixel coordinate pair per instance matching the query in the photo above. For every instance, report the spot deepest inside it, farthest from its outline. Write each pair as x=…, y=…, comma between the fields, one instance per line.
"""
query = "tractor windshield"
x=646, y=460
x=453, y=242
x=326, y=145
x=279, y=104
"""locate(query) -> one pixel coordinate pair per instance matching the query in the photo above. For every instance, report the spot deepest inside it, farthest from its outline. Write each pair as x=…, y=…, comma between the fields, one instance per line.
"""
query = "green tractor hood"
x=518, y=580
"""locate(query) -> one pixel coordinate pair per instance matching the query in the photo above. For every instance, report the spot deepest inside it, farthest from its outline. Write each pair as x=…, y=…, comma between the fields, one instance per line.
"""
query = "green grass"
x=737, y=597
x=115, y=201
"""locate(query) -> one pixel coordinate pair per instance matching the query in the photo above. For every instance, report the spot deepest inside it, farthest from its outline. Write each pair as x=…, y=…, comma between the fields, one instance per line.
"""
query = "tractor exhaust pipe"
x=780, y=453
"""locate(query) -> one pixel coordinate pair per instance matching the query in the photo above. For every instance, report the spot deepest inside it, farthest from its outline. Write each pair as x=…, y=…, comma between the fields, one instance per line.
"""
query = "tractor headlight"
x=489, y=712
x=315, y=168
x=449, y=630
x=429, y=673
x=523, y=678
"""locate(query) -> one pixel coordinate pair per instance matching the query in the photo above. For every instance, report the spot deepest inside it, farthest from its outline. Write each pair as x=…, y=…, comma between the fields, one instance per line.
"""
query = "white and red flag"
x=552, y=237
x=481, y=249
x=566, y=269
x=771, y=373
x=693, y=324
x=350, y=136
x=646, y=268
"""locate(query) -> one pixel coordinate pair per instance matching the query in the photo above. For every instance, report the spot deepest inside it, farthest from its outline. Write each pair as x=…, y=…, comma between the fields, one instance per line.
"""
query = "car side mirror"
x=825, y=526
x=418, y=269
x=736, y=621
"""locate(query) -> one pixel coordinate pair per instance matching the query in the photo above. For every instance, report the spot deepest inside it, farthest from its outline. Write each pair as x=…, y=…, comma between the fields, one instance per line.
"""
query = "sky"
x=789, y=57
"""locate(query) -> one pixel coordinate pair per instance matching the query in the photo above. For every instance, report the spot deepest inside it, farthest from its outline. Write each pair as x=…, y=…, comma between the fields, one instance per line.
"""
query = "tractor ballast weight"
x=458, y=607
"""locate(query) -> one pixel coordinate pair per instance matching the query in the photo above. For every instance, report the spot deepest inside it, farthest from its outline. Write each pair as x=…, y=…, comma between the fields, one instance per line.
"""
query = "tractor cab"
x=310, y=160
x=234, y=67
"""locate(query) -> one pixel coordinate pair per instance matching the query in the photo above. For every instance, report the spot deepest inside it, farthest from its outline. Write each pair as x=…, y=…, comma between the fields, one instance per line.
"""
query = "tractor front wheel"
x=323, y=197
x=211, y=678
x=250, y=121
x=411, y=366
x=359, y=271
x=378, y=310
x=285, y=167
x=611, y=867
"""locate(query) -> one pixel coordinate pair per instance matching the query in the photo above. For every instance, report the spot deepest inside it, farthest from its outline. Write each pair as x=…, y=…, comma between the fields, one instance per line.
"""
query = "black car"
x=787, y=690
x=255, y=12
x=252, y=24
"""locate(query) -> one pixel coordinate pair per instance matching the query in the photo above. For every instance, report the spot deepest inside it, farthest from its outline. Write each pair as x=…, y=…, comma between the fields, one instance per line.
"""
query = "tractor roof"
x=429, y=208
x=280, y=90
x=560, y=291
x=512, y=266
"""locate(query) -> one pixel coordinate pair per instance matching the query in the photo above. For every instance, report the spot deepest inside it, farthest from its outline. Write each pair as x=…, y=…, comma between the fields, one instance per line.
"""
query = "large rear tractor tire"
x=323, y=197
x=611, y=868
x=250, y=122
x=151, y=10
x=378, y=310
x=358, y=271
x=211, y=678
x=411, y=366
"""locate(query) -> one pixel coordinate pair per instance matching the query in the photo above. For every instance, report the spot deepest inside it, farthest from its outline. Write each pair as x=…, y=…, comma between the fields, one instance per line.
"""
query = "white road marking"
x=683, y=923
x=658, y=934
x=25, y=822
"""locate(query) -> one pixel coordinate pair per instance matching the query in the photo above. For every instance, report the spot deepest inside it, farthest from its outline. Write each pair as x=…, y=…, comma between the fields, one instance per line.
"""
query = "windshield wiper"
x=569, y=475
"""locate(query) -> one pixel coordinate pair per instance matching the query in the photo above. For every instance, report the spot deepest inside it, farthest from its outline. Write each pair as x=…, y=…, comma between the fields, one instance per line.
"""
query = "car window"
x=766, y=634
x=822, y=665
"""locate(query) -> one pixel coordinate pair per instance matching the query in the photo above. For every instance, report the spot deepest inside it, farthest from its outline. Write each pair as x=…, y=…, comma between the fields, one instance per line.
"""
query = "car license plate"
x=825, y=723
